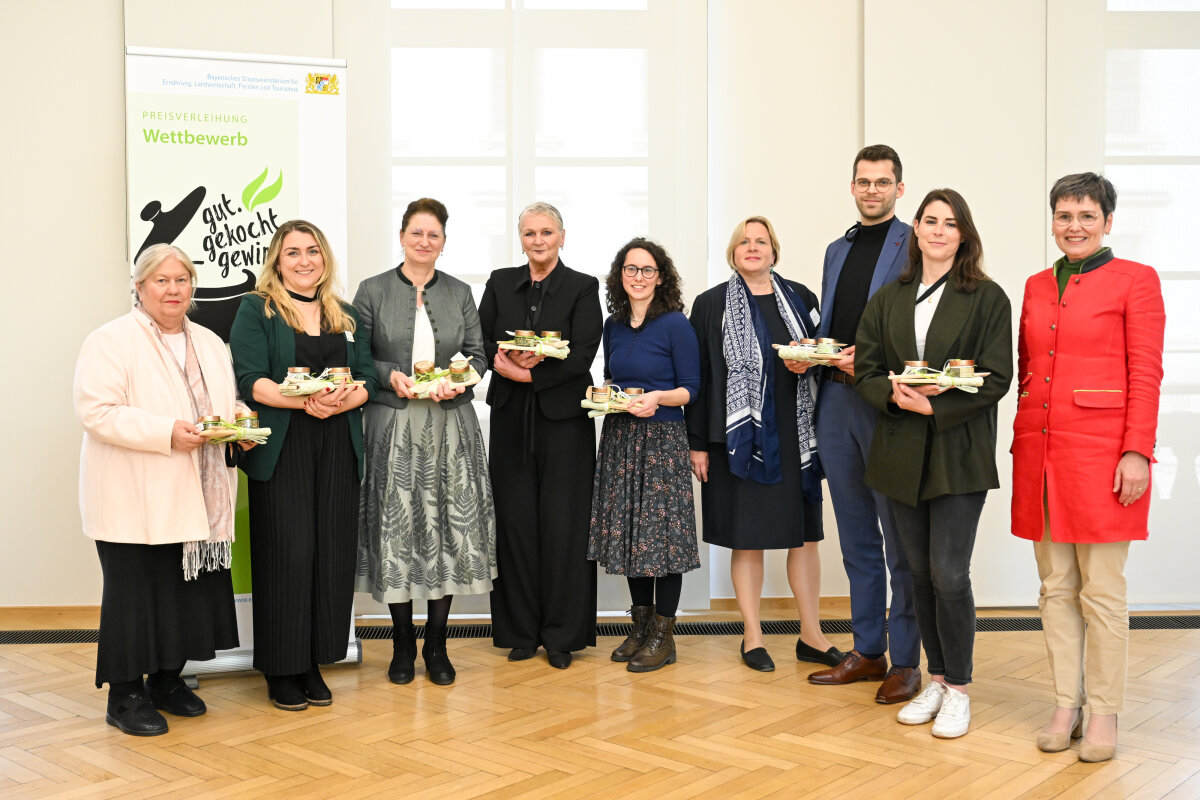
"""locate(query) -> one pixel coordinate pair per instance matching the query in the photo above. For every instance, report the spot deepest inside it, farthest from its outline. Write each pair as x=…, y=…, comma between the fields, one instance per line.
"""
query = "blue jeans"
x=938, y=537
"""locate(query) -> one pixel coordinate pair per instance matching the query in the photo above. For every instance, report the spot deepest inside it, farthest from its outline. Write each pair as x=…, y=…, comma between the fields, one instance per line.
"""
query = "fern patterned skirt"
x=643, y=517
x=426, y=524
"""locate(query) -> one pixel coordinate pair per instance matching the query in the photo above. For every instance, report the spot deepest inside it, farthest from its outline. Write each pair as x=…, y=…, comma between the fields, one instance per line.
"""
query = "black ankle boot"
x=437, y=662
x=287, y=692
x=404, y=653
x=315, y=690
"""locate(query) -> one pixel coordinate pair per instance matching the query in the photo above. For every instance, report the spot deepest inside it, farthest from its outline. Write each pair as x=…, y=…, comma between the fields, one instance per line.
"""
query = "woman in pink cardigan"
x=157, y=499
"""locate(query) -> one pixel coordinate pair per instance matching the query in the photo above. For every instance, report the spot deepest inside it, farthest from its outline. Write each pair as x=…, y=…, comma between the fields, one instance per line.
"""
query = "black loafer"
x=559, y=659
x=757, y=659
x=285, y=691
x=522, y=653
x=830, y=658
x=174, y=697
x=315, y=690
x=135, y=715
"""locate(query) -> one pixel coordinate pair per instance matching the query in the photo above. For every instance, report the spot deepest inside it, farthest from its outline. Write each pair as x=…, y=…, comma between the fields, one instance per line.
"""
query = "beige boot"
x=659, y=649
x=642, y=616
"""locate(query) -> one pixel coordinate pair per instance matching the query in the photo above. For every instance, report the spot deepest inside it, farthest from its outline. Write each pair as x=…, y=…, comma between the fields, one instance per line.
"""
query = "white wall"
x=784, y=123
x=963, y=112
x=958, y=88
x=64, y=140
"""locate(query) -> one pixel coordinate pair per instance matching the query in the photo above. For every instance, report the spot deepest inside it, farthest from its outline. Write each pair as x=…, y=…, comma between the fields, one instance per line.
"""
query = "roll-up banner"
x=221, y=149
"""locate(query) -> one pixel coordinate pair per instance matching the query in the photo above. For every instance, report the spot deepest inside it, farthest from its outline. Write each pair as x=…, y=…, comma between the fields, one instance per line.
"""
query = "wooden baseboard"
x=49, y=618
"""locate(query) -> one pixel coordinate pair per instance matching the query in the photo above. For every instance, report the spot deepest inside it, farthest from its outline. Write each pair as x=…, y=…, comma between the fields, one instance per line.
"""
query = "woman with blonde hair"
x=304, y=481
x=751, y=436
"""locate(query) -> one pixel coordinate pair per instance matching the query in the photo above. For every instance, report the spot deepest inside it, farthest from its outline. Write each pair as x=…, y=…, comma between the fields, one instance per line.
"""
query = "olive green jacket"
x=915, y=457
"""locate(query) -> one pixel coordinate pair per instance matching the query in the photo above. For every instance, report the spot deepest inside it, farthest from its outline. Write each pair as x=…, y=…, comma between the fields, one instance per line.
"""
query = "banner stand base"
x=243, y=661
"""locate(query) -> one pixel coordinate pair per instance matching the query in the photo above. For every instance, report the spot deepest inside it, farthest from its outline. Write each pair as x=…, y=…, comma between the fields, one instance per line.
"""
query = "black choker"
x=300, y=297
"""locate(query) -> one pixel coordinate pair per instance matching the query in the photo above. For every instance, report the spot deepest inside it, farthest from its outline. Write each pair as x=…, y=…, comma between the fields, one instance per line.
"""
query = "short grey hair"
x=1085, y=186
x=540, y=208
x=152, y=258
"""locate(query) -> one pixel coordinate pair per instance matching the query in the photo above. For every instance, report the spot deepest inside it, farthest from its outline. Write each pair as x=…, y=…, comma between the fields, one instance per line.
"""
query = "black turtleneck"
x=854, y=283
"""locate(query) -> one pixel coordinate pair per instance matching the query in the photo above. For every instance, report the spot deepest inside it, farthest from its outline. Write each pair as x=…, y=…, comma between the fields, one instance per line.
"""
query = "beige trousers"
x=1085, y=583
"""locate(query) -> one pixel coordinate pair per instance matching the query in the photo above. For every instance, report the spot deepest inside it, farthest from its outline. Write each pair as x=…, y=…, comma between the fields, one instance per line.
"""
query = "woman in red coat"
x=1090, y=365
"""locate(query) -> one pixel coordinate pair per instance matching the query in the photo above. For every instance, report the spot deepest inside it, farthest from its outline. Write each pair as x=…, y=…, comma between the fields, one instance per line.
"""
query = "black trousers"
x=303, y=546
x=545, y=594
x=938, y=537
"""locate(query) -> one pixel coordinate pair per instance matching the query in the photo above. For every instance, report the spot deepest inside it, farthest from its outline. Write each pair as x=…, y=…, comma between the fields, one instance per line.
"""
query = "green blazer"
x=915, y=457
x=265, y=348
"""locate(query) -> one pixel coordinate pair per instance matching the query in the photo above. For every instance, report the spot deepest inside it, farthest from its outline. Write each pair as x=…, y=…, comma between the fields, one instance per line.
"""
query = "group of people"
x=382, y=488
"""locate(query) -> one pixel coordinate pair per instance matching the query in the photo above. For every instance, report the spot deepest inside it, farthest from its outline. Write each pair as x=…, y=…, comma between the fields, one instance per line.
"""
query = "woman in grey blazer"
x=427, y=527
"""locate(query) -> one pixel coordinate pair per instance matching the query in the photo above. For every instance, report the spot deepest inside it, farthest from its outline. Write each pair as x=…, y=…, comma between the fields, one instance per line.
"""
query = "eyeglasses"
x=647, y=272
x=1086, y=219
x=882, y=185
x=416, y=233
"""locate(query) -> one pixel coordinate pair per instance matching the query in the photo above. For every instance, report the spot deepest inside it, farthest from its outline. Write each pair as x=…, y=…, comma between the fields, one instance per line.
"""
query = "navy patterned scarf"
x=751, y=438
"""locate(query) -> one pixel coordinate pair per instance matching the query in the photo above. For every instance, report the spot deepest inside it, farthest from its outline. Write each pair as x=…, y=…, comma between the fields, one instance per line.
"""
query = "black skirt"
x=152, y=619
x=744, y=515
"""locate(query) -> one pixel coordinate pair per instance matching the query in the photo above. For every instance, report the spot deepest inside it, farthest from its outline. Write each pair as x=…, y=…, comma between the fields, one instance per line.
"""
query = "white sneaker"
x=955, y=717
x=924, y=706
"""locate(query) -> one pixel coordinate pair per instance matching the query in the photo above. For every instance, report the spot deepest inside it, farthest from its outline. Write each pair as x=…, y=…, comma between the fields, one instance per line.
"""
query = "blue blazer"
x=887, y=269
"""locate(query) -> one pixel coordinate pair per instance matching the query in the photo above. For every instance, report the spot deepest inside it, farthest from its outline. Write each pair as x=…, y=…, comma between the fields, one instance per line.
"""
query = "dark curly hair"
x=667, y=297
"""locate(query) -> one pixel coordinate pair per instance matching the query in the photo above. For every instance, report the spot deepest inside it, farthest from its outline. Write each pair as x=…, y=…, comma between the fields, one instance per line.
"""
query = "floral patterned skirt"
x=643, y=516
x=426, y=523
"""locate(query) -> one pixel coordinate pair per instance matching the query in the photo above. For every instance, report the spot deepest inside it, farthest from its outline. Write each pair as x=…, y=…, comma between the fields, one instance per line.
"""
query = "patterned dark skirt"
x=643, y=516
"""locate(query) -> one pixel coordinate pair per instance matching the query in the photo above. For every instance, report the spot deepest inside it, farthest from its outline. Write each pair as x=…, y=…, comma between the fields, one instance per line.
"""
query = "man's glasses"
x=882, y=185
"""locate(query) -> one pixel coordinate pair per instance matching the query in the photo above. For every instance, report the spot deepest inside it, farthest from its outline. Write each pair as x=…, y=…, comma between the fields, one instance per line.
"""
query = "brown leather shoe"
x=854, y=667
x=899, y=686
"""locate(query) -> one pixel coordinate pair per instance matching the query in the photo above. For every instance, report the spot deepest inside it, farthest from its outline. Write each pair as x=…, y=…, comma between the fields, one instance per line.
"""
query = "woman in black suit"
x=542, y=448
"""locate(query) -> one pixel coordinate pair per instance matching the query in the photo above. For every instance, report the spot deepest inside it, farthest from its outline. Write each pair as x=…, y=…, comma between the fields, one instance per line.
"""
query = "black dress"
x=741, y=514
x=304, y=535
x=152, y=619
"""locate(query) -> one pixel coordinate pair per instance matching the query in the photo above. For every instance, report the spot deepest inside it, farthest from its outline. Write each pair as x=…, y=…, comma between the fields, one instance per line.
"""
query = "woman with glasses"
x=427, y=530
x=643, y=517
x=543, y=446
x=934, y=449
x=750, y=431
x=1090, y=365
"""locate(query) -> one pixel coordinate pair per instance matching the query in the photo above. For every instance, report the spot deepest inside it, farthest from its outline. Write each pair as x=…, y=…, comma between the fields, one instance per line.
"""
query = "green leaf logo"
x=250, y=200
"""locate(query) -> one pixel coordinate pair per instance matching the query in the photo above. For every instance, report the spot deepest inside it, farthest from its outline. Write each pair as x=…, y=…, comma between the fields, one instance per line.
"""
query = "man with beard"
x=869, y=255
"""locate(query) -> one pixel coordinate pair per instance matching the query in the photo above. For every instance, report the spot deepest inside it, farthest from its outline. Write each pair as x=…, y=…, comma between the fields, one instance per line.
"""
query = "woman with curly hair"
x=643, y=519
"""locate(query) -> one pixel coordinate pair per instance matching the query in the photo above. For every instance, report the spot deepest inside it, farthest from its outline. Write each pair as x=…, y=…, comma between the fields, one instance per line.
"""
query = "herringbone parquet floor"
x=705, y=727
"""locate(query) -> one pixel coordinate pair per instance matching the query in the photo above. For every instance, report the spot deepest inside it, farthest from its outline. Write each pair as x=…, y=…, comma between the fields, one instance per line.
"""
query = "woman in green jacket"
x=304, y=481
x=934, y=449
